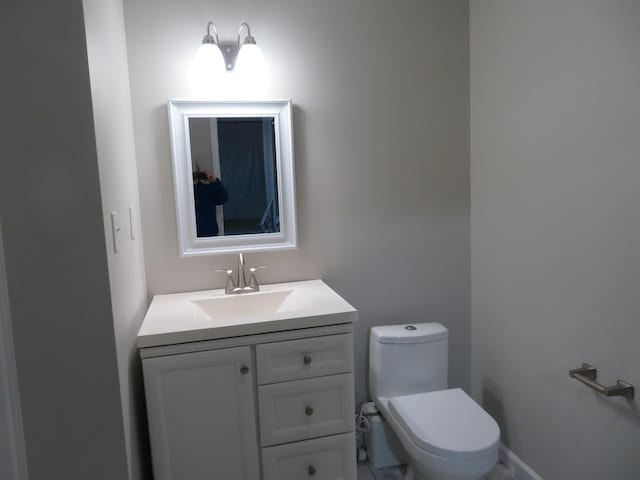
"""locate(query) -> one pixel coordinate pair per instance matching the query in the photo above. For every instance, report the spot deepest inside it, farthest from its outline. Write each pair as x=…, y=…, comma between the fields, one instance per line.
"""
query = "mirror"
x=233, y=175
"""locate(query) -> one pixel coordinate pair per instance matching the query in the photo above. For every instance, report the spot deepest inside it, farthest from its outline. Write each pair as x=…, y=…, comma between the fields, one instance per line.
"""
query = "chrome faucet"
x=240, y=284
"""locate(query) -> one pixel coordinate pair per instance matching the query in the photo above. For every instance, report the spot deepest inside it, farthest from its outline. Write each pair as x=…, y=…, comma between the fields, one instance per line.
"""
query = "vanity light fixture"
x=214, y=58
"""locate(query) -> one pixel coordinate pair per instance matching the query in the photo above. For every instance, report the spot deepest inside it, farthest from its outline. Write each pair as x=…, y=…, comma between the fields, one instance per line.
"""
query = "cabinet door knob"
x=308, y=411
x=244, y=369
x=306, y=359
x=312, y=470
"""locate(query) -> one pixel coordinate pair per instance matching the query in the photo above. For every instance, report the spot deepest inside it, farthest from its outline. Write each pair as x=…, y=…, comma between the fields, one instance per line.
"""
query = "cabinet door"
x=201, y=411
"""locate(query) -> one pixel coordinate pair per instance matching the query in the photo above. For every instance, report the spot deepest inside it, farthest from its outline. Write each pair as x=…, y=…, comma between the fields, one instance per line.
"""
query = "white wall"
x=54, y=245
x=555, y=228
x=111, y=100
x=380, y=94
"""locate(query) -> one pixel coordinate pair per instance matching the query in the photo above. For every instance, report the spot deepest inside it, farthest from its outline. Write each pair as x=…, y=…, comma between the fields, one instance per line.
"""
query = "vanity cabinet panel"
x=303, y=409
x=327, y=458
x=201, y=412
x=304, y=358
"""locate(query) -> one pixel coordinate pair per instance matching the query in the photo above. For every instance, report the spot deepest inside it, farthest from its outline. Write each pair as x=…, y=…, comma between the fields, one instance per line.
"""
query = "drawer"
x=304, y=409
x=304, y=358
x=328, y=458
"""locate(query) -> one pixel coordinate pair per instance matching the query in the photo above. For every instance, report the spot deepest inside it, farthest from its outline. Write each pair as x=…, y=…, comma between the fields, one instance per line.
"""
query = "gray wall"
x=111, y=100
x=555, y=228
x=381, y=139
x=54, y=244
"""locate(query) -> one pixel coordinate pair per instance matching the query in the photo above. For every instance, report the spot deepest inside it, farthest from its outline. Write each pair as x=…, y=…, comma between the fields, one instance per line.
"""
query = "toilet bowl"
x=446, y=434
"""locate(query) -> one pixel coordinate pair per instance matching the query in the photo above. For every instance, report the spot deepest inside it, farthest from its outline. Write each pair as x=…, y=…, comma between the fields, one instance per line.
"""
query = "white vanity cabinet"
x=271, y=406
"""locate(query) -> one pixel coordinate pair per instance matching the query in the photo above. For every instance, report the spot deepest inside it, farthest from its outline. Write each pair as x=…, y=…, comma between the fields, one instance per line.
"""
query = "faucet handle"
x=228, y=271
x=253, y=281
x=231, y=284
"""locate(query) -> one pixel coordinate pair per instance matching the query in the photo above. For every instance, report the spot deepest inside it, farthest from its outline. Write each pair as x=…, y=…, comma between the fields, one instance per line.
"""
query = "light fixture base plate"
x=229, y=53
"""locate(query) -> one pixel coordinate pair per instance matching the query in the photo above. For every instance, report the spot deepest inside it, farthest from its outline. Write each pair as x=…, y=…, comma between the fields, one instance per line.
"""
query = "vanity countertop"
x=211, y=314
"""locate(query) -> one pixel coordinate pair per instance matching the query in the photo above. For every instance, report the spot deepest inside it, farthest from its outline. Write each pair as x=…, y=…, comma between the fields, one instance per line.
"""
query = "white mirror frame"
x=189, y=244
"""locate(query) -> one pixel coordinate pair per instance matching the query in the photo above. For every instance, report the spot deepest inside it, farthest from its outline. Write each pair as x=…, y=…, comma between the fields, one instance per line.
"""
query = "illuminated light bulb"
x=208, y=66
x=251, y=63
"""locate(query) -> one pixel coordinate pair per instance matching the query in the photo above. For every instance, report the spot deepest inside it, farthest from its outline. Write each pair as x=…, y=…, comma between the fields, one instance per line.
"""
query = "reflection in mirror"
x=234, y=175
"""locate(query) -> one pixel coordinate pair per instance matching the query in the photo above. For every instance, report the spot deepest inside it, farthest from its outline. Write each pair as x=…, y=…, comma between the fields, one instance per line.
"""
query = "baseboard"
x=520, y=470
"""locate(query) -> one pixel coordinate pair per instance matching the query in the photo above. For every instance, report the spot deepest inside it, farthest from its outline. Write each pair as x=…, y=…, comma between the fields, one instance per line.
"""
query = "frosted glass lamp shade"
x=251, y=63
x=207, y=67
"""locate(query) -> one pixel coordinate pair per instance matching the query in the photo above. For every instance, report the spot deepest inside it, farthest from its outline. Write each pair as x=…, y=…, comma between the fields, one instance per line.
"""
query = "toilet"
x=446, y=434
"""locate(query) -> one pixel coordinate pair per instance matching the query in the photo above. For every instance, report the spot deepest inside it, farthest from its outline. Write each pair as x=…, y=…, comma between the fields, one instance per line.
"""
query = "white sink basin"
x=242, y=305
x=208, y=315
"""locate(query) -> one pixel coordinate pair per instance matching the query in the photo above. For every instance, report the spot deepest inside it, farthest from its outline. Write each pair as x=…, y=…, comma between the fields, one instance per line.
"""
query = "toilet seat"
x=446, y=423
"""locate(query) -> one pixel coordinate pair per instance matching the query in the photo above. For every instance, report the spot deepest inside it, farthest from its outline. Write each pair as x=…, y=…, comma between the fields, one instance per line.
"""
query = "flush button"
x=410, y=327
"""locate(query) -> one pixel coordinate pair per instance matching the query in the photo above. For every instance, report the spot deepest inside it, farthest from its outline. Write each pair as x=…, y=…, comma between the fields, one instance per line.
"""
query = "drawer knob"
x=311, y=470
x=244, y=369
x=308, y=411
x=306, y=359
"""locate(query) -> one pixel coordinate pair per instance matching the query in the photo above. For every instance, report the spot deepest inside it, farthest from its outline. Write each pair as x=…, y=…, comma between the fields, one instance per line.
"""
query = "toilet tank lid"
x=409, y=333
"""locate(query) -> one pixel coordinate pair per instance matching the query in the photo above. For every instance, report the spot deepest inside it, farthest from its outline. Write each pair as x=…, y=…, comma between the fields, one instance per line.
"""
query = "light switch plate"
x=132, y=224
x=115, y=229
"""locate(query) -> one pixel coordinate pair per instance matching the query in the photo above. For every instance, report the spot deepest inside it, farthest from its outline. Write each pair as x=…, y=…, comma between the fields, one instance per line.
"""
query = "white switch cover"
x=132, y=224
x=115, y=229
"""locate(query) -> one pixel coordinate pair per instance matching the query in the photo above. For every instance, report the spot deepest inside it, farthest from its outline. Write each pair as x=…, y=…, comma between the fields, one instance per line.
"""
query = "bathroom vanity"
x=251, y=386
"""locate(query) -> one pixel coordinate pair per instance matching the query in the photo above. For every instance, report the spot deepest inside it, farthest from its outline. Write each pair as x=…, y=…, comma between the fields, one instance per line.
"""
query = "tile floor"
x=365, y=472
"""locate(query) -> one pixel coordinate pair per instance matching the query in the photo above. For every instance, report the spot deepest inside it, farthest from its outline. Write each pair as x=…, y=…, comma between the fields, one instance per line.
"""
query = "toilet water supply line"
x=362, y=422
x=362, y=426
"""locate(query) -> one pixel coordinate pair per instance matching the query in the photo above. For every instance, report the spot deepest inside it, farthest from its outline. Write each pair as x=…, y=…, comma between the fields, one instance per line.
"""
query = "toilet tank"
x=406, y=359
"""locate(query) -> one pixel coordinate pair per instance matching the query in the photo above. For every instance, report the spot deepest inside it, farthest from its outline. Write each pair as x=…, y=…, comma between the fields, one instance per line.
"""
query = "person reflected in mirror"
x=208, y=191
